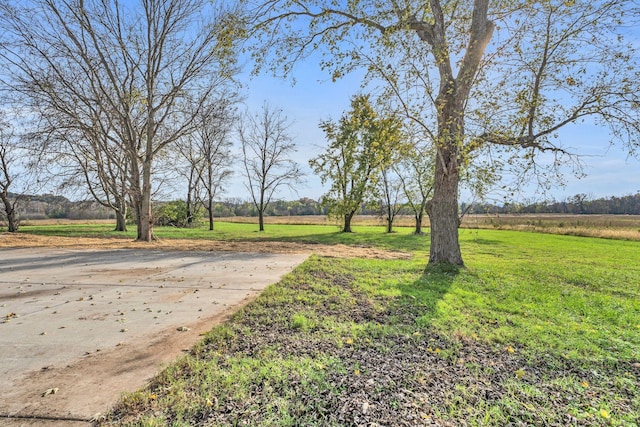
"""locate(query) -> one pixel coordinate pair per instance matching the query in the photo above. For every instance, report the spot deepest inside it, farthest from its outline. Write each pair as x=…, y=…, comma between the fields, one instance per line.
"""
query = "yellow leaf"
x=604, y=413
x=348, y=341
x=356, y=372
x=510, y=349
x=437, y=351
x=519, y=373
x=584, y=384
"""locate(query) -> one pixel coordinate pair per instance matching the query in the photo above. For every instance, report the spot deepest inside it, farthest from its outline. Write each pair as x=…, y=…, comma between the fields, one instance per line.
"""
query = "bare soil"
x=21, y=240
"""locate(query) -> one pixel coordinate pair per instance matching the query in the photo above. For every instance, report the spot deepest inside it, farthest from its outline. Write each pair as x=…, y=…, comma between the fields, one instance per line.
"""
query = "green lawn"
x=536, y=330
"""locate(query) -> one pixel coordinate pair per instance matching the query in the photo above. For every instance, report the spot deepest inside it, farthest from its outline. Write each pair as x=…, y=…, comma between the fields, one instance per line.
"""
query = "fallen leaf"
x=50, y=391
x=365, y=407
x=183, y=329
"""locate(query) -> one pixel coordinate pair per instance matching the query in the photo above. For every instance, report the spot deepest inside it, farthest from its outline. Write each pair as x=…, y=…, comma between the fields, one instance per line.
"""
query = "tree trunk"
x=347, y=222
x=9, y=208
x=418, y=217
x=145, y=217
x=389, y=224
x=189, y=213
x=12, y=220
x=443, y=215
x=261, y=207
x=210, y=214
x=121, y=220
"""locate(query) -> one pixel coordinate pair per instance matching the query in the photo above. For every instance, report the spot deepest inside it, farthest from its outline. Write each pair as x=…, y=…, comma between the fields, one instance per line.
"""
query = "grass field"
x=621, y=227
x=537, y=329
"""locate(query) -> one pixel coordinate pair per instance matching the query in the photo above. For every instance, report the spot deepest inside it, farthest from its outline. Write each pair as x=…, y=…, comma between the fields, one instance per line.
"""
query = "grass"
x=538, y=329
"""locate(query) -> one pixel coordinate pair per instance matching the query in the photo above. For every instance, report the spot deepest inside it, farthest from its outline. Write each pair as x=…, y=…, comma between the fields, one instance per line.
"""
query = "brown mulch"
x=21, y=240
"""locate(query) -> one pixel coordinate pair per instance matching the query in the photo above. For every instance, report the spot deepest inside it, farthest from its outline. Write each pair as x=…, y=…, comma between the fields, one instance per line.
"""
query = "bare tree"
x=132, y=66
x=415, y=171
x=8, y=176
x=266, y=150
x=89, y=161
x=214, y=144
x=390, y=188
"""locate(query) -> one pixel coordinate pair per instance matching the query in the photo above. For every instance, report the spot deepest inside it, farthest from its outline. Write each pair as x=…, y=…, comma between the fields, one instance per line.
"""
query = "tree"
x=8, y=176
x=415, y=171
x=123, y=70
x=207, y=154
x=213, y=136
x=391, y=191
x=266, y=150
x=434, y=58
x=360, y=145
x=92, y=162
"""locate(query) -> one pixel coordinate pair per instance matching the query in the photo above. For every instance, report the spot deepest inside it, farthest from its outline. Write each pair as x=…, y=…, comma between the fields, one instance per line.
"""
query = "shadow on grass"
x=416, y=305
x=394, y=241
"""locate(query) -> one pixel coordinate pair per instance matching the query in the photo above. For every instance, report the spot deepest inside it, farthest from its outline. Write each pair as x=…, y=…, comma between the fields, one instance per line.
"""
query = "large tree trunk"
x=443, y=208
x=389, y=223
x=261, y=219
x=443, y=215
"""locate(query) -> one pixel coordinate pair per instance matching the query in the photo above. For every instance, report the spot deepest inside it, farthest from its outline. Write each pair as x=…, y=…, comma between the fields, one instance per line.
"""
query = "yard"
x=537, y=329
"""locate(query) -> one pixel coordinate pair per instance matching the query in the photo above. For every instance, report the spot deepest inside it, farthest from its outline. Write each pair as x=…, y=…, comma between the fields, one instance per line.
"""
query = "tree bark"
x=121, y=221
x=418, y=218
x=347, y=222
x=443, y=208
x=12, y=220
x=445, y=248
x=210, y=214
x=261, y=219
x=145, y=217
x=389, y=224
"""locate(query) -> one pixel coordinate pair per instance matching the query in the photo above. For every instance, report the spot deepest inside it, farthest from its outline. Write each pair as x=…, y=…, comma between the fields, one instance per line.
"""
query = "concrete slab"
x=90, y=324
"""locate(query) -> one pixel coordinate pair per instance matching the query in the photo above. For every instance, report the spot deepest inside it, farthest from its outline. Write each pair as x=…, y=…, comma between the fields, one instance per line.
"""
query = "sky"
x=609, y=171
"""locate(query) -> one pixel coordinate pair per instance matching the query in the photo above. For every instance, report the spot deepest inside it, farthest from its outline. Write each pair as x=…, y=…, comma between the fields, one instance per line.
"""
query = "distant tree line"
x=49, y=206
x=577, y=204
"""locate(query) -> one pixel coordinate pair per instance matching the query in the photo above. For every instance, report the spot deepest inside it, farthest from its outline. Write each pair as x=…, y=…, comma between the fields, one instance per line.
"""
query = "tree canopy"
x=360, y=145
x=491, y=81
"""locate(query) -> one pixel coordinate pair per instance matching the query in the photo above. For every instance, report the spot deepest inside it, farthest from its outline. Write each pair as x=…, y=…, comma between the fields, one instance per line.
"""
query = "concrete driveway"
x=78, y=327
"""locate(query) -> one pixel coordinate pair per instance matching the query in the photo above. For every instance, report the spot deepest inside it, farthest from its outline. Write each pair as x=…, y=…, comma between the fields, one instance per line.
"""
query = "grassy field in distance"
x=625, y=227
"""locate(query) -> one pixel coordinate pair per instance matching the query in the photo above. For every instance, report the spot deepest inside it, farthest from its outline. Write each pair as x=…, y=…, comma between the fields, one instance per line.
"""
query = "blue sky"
x=609, y=171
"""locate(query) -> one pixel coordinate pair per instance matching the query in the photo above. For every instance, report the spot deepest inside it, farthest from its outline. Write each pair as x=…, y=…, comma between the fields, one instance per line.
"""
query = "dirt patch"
x=12, y=240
